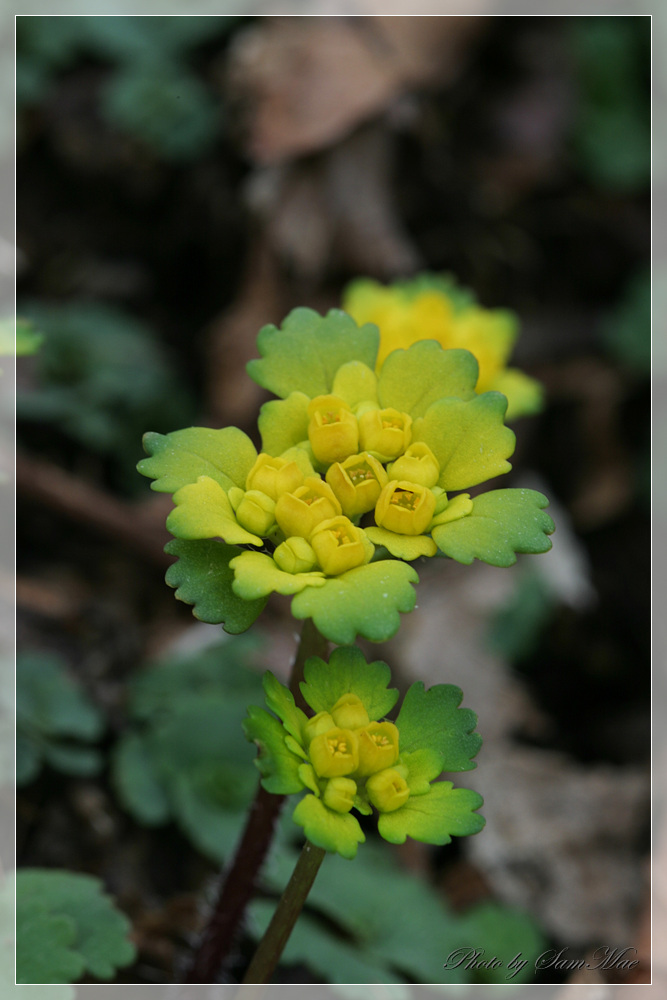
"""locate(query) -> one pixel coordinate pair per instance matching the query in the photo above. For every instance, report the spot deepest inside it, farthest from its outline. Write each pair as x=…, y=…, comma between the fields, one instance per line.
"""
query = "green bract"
x=347, y=756
x=355, y=480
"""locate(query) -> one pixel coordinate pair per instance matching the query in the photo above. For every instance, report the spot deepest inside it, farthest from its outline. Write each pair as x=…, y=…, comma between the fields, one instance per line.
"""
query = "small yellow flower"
x=349, y=712
x=274, y=476
x=357, y=482
x=339, y=794
x=404, y=507
x=335, y=753
x=333, y=430
x=387, y=432
x=378, y=747
x=340, y=546
x=320, y=723
x=417, y=465
x=295, y=555
x=256, y=512
x=387, y=790
x=300, y=512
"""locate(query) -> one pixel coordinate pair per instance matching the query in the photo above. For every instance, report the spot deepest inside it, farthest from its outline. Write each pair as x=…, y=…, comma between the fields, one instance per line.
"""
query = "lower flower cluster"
x=348, y=756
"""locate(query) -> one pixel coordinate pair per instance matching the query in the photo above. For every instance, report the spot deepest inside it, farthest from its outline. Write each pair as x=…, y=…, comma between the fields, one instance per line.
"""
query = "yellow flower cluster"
x=353, y=755
x=314, y=520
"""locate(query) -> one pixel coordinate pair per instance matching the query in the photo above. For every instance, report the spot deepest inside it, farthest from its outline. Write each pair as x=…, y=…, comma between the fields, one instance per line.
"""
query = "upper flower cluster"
x=433, y=307
x=347, y=756
x=354, y=481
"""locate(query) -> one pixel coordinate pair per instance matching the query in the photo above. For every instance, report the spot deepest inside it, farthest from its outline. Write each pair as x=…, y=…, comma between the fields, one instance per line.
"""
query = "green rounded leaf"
x=203, y=510
x=278, y=766
x=347, y=672
x=412, y=380
x=365, y=601
x=332, y=831
x=203, y=577
x=501, y=523
x=101, y=938
x=45, y=943
x=180, y=458
x=468, y=438
x=525, y=395
x=304, y=354
x=432, y=720
x=281, y=701
x=434, y=818
x=283, y=423
x=406, y=547
x=256, y=576
x=356, y=383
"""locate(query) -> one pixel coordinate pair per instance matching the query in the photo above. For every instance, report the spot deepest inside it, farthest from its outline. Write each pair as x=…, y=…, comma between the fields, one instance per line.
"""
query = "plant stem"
x=237, y=885
x=271, y=946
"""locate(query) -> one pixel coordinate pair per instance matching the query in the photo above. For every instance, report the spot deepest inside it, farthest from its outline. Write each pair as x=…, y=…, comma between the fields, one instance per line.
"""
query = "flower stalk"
x=287, y=912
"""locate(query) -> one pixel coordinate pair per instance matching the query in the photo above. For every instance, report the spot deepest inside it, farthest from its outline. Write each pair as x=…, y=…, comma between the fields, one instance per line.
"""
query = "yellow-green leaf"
x=203, y=510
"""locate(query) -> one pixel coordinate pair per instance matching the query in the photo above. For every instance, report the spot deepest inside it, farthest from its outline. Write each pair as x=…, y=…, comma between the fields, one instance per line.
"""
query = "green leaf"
x=203, y=510
x=49, y=701
x=44, y=945
x=283, y=423
x=356, y=383
x=308, y=349
x=281, y=701
x=278, y=766
x=424, y=766
x=434, y=818
x=332, y=831
x=501, y=524
x=179, y=458
x=412, y=380
x=468, y=438
x=347, y=672
x=18, y=337
x=506, y=932
x=408, y=547
x=327, y=956
x=203, y=577
x=256, y=576
x=431, y=720
x=365, y=601
x=213, y=829
x=79, y=761
x=137, y=782
x=101, y=937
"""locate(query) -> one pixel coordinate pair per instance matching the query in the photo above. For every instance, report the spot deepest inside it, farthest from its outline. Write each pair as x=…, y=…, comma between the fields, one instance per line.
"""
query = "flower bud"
x=339, y=794
x=333, y=430
x=256, y=512
x=387, y=432
x=406, y=508
x=357, y=483
x=349, y=712
x=378, y=747
x=274, y=476
x=340, y=546
x=300, y=512
x=295, y=555
x=387, y=790
x=418, y=465
x=320, y=723
x=334, y=753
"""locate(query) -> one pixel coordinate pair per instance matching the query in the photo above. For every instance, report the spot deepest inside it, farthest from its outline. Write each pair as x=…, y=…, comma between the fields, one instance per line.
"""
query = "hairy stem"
x=238, y=883
x=271, y=946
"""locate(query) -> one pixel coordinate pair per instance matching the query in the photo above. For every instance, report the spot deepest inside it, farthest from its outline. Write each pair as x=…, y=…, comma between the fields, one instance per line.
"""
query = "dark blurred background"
x=181, y=182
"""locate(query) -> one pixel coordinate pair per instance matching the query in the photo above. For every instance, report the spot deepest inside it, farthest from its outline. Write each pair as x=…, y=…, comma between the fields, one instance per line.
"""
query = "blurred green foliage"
x=185, y=757
x=627, y=329
x=55, y=721
x=151, y=92
x=103, y=379
x=515, y=628
x=18, y=336
x=612, y=135
x=67, y=926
